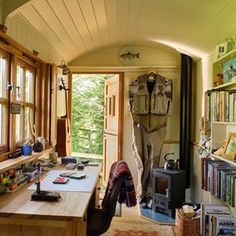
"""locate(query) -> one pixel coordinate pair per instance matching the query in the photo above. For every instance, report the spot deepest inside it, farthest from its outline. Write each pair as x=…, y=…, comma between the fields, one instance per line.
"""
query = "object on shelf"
x=225, y=47
x=219, y=80
x=15, y=154
x=221, y=49
x=220, y=151
x=229, y=71
x=26, y=149
x=230, y=147
x=205, y=139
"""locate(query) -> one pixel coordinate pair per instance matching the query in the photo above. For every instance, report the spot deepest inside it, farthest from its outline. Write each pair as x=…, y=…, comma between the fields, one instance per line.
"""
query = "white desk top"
x=73, y=185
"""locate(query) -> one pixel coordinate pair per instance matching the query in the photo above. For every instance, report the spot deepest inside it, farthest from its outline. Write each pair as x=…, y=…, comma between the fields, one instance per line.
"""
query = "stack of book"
x=221, y=106
x=219, y=178
x=216, y=220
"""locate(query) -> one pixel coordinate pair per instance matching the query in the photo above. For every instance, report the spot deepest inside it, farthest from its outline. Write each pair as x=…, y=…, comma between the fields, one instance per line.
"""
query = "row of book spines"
x=222, y=106
x=219, y=180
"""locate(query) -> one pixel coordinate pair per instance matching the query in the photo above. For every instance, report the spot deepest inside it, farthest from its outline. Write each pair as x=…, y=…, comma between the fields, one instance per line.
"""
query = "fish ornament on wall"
x=129, y=56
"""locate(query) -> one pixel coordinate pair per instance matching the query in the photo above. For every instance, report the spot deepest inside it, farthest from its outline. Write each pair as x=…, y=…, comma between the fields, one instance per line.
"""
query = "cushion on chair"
x=98, y=222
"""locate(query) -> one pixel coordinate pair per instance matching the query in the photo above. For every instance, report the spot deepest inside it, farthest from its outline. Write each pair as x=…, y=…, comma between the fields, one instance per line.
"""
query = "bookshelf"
x=220, y=113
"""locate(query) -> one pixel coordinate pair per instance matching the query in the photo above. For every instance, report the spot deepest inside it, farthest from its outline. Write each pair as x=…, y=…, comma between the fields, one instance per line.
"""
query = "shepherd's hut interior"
x=117, y=117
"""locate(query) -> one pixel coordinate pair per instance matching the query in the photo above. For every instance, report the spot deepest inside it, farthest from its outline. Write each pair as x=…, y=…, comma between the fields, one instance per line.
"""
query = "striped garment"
x=127, y=193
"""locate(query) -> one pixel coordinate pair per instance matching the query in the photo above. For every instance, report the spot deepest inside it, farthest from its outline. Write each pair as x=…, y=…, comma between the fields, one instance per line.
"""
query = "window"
x=24, y=95
x=4, y=100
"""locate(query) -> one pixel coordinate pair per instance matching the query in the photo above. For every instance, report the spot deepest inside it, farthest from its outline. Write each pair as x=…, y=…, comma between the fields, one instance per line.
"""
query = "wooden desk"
x=19, y=216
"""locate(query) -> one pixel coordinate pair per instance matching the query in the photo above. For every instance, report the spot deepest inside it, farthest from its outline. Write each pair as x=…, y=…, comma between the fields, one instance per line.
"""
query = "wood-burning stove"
x=168, y=190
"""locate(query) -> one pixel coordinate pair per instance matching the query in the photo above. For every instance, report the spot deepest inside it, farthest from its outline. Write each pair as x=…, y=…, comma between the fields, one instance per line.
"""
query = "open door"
x=113, y=122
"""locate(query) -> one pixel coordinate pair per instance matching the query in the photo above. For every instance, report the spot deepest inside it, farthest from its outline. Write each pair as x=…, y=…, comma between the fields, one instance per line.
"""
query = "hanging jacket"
x=155, y=101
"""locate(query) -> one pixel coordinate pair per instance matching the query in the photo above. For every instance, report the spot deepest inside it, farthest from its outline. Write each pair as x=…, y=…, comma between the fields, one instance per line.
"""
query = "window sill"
x=12, y=163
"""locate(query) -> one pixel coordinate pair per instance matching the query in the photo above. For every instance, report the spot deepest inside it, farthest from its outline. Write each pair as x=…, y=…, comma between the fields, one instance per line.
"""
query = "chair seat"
x=98, y=222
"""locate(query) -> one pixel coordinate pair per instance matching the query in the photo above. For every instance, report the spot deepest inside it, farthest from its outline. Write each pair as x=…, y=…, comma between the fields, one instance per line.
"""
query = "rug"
x=138, y=229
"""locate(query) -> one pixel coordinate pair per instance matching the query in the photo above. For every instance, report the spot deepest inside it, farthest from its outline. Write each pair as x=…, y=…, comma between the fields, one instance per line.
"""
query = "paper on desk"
x=73, y=185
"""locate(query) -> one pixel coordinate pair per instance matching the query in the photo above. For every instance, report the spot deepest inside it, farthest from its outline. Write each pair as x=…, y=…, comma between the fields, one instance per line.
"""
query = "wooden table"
x=19, y=216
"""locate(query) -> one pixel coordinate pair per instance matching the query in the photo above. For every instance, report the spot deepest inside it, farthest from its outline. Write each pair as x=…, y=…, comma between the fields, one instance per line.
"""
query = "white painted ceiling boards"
x=76, y=27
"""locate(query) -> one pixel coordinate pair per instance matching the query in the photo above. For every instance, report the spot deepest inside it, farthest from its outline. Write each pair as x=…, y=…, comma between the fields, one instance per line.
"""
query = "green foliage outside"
x=88, y=113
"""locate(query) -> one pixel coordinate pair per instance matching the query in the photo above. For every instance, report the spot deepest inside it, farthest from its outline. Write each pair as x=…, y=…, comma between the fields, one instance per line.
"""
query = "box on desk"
x=68, y=159
x=185, y=226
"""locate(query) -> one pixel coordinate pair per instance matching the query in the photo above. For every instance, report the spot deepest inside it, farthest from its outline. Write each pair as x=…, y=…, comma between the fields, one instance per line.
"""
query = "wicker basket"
x=185, y=226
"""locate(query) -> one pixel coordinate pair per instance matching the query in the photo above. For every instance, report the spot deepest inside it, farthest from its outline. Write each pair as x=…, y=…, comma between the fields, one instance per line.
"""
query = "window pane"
x=3, y=77
x=29, y=86
x=18, y=127
x=19, y=82
x=27, y=128
x=3, y=124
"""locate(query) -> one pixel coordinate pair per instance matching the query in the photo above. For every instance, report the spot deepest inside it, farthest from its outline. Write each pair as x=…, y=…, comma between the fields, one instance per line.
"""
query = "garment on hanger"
x=144, y=100
x=149, y=104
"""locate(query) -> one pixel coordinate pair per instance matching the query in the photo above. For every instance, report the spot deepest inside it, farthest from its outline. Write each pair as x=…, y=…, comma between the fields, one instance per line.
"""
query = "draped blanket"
x=127, y=194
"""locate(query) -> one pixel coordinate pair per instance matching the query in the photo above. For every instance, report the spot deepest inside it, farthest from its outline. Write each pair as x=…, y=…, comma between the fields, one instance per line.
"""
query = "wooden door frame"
x=121, y=104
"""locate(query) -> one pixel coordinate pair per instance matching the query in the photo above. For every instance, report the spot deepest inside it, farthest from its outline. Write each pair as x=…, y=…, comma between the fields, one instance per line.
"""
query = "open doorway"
x=97, y=118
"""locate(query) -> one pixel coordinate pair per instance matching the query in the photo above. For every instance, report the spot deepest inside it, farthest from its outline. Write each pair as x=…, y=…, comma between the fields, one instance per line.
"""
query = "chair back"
x=114, y=197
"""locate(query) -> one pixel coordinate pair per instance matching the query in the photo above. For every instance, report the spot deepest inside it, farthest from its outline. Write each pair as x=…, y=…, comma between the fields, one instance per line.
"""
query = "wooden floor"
x=132, y=216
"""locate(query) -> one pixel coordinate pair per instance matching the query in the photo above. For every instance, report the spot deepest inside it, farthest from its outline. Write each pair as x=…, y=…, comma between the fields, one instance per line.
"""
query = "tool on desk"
x=85, y=162
x=80, y=166
x=67, y=174
x=71, y=166
x=73, y=175
x=76, y=176
x=88, y=163
x=40, y=195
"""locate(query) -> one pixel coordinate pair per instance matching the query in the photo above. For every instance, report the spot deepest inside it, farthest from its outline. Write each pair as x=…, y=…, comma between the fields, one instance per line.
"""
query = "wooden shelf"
x=224, y=159
x=12, y=163
x=223, y=123
x=224, y=85
x=227, y=56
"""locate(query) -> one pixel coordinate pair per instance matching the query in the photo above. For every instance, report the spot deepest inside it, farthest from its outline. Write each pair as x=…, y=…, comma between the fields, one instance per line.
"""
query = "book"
x=224, y=173
x=223, y=225
x=234, y=197
x=207, y=211
x=60, y=180
x=213, y=177
x=229, y=175
x=219, y=186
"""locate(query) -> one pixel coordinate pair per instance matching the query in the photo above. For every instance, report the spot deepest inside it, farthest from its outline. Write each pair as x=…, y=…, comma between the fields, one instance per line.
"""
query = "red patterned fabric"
x=127, y=193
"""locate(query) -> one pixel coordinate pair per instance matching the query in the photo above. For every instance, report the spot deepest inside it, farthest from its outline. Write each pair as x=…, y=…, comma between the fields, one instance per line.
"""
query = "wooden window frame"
x=16, y=53
x=23, y=103
x=4, y=100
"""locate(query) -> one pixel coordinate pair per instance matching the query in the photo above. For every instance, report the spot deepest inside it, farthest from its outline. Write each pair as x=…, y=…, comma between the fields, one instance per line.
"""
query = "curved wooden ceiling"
x=76, y=27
